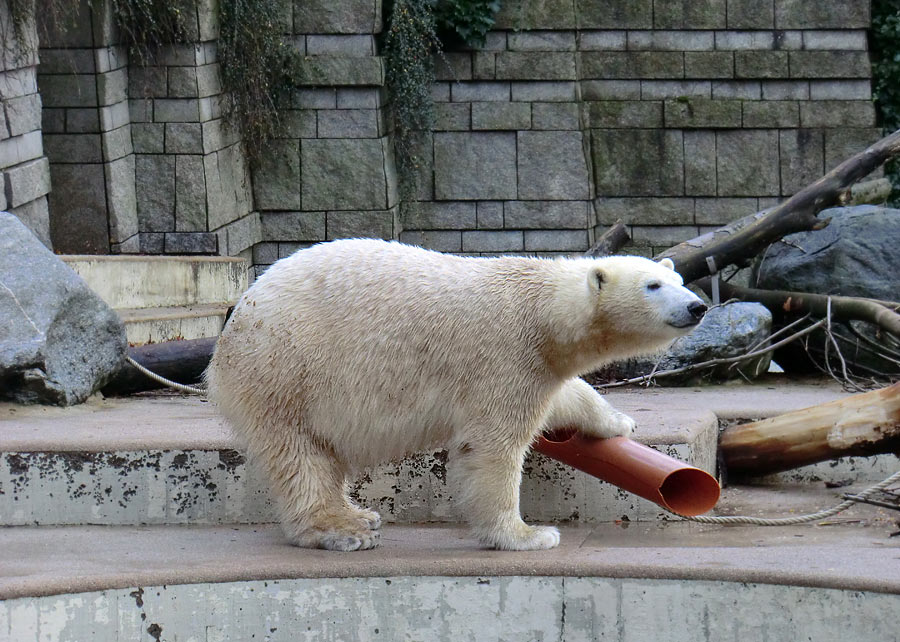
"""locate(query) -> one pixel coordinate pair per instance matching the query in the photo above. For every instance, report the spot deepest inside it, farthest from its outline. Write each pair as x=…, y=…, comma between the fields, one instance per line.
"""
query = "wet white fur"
x=355, y=352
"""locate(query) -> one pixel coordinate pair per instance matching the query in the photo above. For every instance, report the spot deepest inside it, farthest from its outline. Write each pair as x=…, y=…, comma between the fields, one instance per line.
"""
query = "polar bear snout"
x=697, y=309
x=687, y=312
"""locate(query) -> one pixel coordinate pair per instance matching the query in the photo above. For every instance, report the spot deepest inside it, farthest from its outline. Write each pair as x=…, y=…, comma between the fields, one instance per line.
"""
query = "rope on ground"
x=166, y=382
x=799, y=519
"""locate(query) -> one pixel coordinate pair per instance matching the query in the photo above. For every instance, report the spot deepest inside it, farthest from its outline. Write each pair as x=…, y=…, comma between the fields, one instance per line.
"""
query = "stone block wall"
x=331, y=173
x=24, y=168
x=673, y=116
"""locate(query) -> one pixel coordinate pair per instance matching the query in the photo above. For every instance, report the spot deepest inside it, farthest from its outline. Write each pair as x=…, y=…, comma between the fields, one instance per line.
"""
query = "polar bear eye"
x=654, y=286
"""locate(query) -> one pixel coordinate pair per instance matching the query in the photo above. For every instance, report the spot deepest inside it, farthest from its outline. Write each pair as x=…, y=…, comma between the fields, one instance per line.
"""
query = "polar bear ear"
x=667, y=263
x=597, y=277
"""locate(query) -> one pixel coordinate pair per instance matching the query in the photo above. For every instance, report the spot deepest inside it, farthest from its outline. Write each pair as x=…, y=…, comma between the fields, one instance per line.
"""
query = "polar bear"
x=354, y=352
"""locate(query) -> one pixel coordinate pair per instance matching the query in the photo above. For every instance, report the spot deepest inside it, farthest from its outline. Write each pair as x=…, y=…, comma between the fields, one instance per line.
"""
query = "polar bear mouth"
x=689, y=323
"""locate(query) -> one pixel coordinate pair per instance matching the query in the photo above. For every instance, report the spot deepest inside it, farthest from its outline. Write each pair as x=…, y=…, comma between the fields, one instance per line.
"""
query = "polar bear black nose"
x=697, y=310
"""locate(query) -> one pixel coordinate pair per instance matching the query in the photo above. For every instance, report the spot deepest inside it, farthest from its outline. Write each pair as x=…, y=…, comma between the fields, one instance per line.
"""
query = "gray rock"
x=856, y=255
x=59, y=342
x=727, y=331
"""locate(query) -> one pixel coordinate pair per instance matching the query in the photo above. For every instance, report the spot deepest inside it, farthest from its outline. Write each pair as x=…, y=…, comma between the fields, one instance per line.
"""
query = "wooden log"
x=181, y=361
x=610, y=242
x=746, y=237
x=863, y=424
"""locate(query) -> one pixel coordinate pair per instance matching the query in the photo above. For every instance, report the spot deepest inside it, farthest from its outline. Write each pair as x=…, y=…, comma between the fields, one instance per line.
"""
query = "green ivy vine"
x=885, y=45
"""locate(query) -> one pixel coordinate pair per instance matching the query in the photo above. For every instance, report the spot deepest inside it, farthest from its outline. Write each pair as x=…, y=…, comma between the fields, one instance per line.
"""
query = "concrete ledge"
x=75, y=559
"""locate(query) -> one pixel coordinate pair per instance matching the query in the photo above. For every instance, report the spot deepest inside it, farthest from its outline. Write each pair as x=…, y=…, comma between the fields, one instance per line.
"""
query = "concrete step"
x=167, y=459
x=162, y=298
x=672, y=581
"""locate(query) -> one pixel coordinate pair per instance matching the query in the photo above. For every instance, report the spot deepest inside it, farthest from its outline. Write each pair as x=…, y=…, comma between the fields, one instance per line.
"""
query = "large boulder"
x=728, y=330
x=857, y=254
x=59, y=341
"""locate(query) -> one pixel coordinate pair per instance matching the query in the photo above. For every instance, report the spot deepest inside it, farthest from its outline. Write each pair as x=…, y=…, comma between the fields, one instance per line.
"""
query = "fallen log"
x=862, y=424
x=746, y=237
x=182, y=361
x=610, y=242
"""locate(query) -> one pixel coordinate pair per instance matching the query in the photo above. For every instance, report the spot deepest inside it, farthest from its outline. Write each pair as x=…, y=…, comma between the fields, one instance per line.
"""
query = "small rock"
x=59, y=341
x=728, y=330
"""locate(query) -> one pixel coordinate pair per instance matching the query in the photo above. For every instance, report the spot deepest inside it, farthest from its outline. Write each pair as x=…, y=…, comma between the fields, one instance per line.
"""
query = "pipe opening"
x=690, y=492
x=560, y=435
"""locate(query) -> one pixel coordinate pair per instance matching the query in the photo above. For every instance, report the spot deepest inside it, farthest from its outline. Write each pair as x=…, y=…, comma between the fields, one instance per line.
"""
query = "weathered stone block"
x=556, y=240
x=190, y=243
x=750, y=14
x=63, y=90
x=453, y=116
x=183, y=82
x=824, y=14
x=708, y=64
x=844, y=142
x=543, y=91
x=671, y=40
x=689, y=14
x=377, y=224
x=148, y=82
x=771, y=113
x=184, y=138
x=121, y=199
x=155, y=191
x=555, y=116
x=240, y=235
x=73, y=148
x=453, y=66
x=276, y=184
x=645, y=211
x=140, y=110
x=738, y=89
x=662, y=236
x=837, y=113
x=840, y=90
x=611, y=89
x=632, y=64
x=209, y=80
x=348, y=123
x=26, y=182
x=602, y=41
x=67, y=61
x=490, y=215
x=830, y=64
x=78, y=201
x=343, y=173
x=151, y=242
x=265, y=253
x=700, y=163
x=501, y=116
x=515, y=65
x=116, y=143
x=23, y=114
x=761, y=64
x=721, y=211
x=35, y=215
x=190, y=194
x=484, y=65
x=112, y=87
x=835, y=40
x=701, y=112
x=638, y=162
x=625, y=113
x=342, y=45
x=738, y=40
x=618, y=14
x=541, y=41
x=481, y=241
x=472, y=166
x=552, y=166
x=114, y=116
x=148, y=138
x=802, y=152
x=747, y=163
x=454, y=215
x=438, y=240
x=359, y=98
x=537, y=215
x=320, y=71
x=292, y=226
x=53, y=121
x=479, y=91
x=524, y=15
x=179, y=110
x=327, y=16
x=785, y=90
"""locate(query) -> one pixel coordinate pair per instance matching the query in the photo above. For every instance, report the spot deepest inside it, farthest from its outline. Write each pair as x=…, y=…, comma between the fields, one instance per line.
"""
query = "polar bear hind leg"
x=310, y=484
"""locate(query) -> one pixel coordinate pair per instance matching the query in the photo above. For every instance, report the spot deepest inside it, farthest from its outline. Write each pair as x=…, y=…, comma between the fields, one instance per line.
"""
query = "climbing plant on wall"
x=885, y=44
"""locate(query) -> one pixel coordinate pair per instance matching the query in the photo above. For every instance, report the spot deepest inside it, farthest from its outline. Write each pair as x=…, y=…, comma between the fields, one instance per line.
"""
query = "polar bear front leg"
x=578, y=405
x=487, y=477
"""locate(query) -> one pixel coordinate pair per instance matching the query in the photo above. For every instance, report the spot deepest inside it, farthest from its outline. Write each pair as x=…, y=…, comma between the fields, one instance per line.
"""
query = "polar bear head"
x=624, y=306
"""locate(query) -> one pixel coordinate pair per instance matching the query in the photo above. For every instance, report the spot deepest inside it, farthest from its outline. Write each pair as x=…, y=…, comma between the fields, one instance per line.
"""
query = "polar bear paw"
x=617, y=424
x=526, y=538
x=347, y=541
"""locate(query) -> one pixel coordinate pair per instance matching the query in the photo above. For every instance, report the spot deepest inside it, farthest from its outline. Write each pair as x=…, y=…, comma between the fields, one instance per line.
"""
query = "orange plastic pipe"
x=648, y=473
